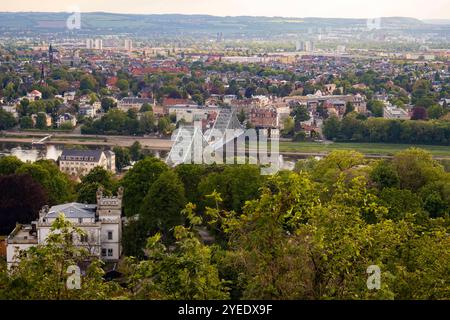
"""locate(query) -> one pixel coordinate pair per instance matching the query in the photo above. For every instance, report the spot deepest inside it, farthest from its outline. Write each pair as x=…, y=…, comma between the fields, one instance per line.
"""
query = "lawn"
x=366, y=148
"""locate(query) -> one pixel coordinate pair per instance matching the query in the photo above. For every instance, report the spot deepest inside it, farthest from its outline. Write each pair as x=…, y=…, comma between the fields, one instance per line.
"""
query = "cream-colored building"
x=101, y=224
x=81, y=162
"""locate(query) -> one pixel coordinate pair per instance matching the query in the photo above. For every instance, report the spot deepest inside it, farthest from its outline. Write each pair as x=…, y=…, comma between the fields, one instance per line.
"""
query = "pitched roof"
x=82, y=155
x=73, y=210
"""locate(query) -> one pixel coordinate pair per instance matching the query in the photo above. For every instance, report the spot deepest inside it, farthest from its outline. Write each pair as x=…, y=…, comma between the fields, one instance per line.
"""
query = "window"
x=84, y=238
x=110, y=235
x=103, y=252
x=110, y=252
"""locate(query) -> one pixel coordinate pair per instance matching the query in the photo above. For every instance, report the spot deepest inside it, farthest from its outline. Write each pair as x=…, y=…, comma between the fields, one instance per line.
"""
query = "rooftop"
x=73, y=211
x=23, y=234
x=81, y=155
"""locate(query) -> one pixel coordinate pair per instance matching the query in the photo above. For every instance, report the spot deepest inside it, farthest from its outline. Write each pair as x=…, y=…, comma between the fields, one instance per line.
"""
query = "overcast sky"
x=430, y=9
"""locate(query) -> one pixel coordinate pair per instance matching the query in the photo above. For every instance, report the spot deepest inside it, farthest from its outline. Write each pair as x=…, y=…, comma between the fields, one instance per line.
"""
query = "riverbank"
x=384, y=149
x=301, y=149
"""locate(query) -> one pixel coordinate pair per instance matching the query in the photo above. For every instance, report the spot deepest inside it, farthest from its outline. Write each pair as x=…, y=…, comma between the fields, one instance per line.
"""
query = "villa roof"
x=73, y=210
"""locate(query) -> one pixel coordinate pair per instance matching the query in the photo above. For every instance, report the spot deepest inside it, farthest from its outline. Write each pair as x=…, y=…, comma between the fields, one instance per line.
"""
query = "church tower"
x=50, y=55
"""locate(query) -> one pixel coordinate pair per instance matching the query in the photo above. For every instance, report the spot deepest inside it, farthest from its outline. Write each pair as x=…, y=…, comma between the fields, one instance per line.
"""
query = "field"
x=365, y=148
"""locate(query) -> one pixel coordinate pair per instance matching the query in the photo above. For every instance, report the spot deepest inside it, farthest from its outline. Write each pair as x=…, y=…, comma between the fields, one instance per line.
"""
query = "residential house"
x=264, y=118
x=133, y=103
x=34, y=95
x=66, y=118
x=87, y=110
x=11, y=108
x=190, y=114
x=81, y=162
x=48, y=119
x=101, y=223
x=393, y=112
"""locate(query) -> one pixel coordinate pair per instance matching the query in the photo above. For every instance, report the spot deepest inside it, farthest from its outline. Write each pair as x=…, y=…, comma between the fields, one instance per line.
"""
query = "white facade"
x=81, y=162
x=393, y=112
x=191, y=113
x=128, y=44
x=101, y=224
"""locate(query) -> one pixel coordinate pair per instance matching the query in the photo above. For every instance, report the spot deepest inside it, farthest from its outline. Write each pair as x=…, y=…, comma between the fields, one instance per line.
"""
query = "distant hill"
x=176, y=24
x=438, y=21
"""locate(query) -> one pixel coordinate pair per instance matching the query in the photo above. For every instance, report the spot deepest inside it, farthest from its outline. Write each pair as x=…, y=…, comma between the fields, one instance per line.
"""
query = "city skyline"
x=436, y=9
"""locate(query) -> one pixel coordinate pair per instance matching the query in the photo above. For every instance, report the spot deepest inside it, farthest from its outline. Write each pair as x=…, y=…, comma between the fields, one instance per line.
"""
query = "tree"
x=164, y=125
x=9, y=165
x=376, y=107
x=336, y=163
x=138, y=181
x=88, y=82
x=108, y=104
x=161, y=208
x=198, y=98
x=20, y=201
x=300, y=114
x=146, y=107
x=136, y=151
x=299, y=136
x=289, y=126
x=385, y=176
x=435, y=111
x=96, y=178
x=242, y=116
x=7, y=120
x=236, y=184
x=123, y=85
x=436, y=197
x=188, y=271
x=134, y=238
x=419, y=113
x=292, y=244
x=26, y=122
x=42, y=271
x=191, y=176
x=416, y=168
x=147, y=122
x=123, y=158
x=41, y=121
x=349, y=108
x=331, y=128
x=401, y=203
x=56, y=184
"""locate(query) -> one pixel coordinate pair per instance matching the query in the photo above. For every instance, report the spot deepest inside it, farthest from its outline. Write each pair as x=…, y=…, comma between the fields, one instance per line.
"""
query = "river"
x=29, y=153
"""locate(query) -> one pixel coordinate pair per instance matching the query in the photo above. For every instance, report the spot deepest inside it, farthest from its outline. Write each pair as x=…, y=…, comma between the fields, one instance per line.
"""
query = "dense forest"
x=226, y=232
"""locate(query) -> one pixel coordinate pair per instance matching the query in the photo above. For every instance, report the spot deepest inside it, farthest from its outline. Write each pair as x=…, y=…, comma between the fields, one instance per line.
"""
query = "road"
x=74, y=138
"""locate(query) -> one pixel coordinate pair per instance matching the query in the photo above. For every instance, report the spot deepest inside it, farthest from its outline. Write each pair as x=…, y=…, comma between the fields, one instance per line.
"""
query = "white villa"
x=101, y=223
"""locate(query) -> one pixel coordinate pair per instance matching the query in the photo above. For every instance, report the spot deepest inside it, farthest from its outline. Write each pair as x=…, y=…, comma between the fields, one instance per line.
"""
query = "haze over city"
x=240, y=151
x=434, y=9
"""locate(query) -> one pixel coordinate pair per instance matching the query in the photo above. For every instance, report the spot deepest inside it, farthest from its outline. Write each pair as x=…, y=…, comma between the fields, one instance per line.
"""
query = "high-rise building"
x=89, y=44
x=219, y=37
x=307, y=46
x=128, y=44
x=98, y=44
